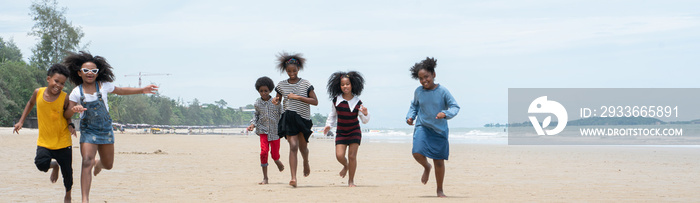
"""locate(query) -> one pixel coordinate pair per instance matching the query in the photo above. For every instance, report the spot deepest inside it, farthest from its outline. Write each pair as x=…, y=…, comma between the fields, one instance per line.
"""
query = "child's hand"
x=440, y=115
x=78, y=108
x=293, y=96
x=18, y=126
x=150, y=89
x=326, y=129
x=251, y=127
x=72, y=131
x=363, y=109
x=276, y=100
x=410, y=121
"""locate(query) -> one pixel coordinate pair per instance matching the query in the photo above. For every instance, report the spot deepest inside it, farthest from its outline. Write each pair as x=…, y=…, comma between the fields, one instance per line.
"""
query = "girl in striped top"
x=343, y=89
x=295, y=123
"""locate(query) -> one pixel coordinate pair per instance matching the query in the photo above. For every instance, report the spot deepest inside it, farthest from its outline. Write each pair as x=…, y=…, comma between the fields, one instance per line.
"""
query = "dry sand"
x=217, y=168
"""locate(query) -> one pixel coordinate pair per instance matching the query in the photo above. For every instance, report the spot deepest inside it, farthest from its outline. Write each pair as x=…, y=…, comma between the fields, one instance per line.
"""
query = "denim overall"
x=95, y=123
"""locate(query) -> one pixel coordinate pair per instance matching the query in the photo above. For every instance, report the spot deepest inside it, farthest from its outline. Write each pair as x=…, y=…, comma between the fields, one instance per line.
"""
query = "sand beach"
x=226, y=168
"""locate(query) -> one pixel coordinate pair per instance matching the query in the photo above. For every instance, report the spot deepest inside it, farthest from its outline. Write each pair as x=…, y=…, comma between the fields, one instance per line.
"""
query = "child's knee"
x=293, y=147
x=304, y=150
x=439, y=164
x=88, y=163
x=42, y=159
x=107, y=166
x=352, y=157
x=43, y=165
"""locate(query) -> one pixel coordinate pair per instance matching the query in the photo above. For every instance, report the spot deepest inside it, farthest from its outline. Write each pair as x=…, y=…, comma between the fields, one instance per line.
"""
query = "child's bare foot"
x=307, y=168
x=279, y=164
x=351, y=184
x=67, y=198
x=54, y=173
x=343, y=172
x=441, y=194
x=98, y=167
x=426, y=174
x=293, y=183
x=264, y=182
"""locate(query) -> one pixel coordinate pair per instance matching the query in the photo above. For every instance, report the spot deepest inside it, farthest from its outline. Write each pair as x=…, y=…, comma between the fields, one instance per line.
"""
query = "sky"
x=217, y=49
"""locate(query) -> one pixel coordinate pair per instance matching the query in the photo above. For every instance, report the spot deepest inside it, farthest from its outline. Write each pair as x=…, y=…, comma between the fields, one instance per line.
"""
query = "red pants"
x=265, y=147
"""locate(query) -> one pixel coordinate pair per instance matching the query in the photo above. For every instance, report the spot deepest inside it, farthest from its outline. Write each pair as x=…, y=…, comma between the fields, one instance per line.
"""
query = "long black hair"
x=76, y=60
x=428, y=64
x=356, y=81
x=286, y=59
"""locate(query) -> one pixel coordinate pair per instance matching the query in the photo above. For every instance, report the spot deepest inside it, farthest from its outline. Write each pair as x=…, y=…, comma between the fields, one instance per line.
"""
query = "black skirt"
x=292, y=124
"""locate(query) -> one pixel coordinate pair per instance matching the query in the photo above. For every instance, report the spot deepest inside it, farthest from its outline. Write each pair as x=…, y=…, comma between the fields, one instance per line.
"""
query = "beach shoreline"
x=226, y=168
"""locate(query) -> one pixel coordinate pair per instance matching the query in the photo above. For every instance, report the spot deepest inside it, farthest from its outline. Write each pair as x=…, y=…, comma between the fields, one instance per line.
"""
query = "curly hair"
x=285, y=59
x=58, y=68
x=356, y=81
x=264, y=81
x=74, y=61
x=428, y=64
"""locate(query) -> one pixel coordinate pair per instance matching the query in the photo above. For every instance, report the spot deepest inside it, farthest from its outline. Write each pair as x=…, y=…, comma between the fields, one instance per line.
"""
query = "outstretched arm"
x=150, y=89
x=27, y=109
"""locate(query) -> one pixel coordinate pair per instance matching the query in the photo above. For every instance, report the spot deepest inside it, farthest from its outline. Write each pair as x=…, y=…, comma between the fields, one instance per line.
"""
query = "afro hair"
x=264, y=81
x=74, y=61
x=356, y=81
x=428, y=64
x=285, y=59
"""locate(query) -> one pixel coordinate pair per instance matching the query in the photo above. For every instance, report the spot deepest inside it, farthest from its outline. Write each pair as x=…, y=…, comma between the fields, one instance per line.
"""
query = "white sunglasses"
x=85, y=70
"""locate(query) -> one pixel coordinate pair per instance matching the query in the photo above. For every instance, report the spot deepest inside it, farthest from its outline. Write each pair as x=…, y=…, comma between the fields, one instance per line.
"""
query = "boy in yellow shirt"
x=54, y=129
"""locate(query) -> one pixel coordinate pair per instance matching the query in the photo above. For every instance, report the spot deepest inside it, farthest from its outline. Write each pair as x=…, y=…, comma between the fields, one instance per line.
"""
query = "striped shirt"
x=266, y=117
x=301, y=88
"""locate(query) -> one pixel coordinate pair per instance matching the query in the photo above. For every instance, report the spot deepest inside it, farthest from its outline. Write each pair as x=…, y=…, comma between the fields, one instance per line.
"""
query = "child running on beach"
x=94, y=77
x=433, y=105
x=54, y=140
x=295, y=123
x=344, y=89
x=265, y=120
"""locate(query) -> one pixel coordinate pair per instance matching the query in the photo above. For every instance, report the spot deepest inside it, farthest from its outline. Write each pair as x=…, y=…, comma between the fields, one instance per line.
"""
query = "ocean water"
x=457, y=135
x=486, y=136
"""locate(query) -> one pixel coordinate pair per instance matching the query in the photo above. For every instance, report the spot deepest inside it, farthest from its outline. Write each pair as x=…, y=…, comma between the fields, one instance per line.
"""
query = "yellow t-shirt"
x=53, y=127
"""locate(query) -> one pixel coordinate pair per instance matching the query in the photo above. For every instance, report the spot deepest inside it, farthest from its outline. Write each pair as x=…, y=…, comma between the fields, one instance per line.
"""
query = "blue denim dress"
x=95, y=123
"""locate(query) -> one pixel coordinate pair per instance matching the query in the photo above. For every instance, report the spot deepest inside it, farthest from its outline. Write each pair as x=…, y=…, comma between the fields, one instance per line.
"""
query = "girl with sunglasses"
x=94, y=77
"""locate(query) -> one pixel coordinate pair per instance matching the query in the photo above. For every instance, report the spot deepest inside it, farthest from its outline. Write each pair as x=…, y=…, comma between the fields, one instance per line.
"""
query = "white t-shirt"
x=106, y=88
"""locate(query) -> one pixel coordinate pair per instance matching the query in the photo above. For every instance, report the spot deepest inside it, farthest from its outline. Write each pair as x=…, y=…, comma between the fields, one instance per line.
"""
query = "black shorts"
x=292, y=124
x=64, y=158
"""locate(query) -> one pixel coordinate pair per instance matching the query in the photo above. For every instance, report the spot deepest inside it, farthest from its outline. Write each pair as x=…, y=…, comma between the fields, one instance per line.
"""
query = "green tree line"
x=56, y=37
x=161, y=110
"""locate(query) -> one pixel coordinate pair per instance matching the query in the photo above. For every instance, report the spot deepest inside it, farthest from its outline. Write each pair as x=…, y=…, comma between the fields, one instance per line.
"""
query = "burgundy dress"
x=348, y=130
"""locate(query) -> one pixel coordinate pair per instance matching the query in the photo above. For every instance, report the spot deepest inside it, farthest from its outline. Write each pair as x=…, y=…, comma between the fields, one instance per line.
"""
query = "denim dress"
x=95, y=123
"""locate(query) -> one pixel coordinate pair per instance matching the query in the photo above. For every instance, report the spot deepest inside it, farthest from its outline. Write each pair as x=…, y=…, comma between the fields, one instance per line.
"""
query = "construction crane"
x=147, y=74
